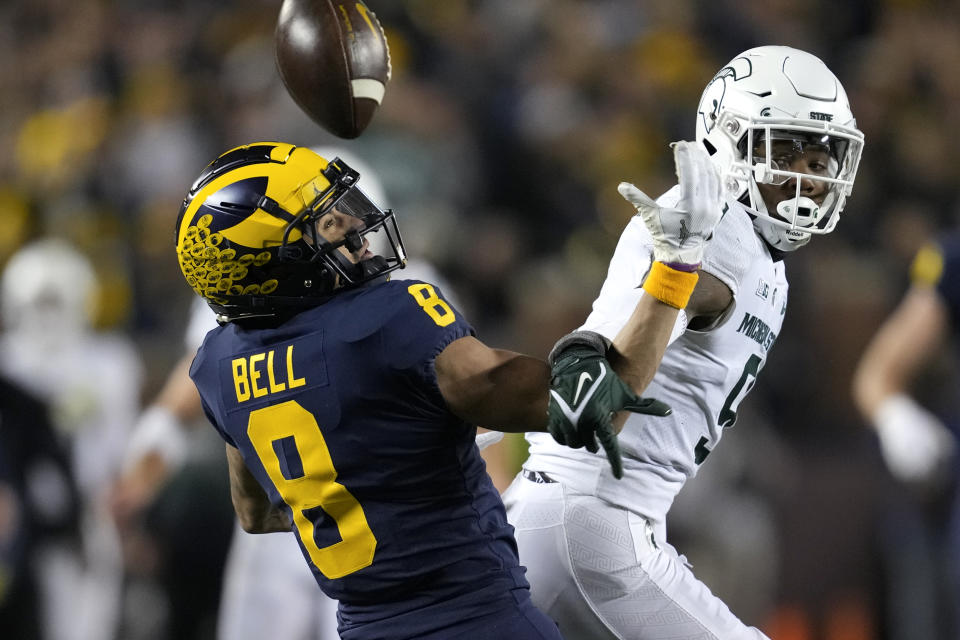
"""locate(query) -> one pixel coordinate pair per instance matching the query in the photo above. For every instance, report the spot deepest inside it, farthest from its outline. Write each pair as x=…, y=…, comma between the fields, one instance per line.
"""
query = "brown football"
x=334, y=60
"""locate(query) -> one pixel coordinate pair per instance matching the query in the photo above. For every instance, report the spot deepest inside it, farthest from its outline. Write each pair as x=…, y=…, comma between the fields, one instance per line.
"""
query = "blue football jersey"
x=949, y=282
x=338, y=415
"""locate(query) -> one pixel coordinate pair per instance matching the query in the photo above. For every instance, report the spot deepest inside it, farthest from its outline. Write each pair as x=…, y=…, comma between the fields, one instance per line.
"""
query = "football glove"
x=915, y=444
x=680, y=234
x=585, y=393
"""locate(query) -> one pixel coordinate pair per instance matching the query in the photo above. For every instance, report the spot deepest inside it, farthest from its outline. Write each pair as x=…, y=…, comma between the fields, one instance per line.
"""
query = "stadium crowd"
x=503, y=134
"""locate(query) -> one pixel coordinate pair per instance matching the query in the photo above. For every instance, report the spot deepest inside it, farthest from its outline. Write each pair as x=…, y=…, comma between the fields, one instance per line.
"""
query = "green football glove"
x=585, y=393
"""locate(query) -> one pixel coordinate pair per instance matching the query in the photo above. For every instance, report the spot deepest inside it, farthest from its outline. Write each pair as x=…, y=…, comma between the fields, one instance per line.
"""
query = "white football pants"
x=599, y=572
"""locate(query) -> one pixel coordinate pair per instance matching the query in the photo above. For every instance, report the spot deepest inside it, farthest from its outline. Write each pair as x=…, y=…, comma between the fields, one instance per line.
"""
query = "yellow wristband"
x=670, y=286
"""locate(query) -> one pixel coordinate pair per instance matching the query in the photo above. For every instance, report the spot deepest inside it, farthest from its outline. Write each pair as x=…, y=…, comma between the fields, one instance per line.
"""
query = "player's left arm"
x=254, y=510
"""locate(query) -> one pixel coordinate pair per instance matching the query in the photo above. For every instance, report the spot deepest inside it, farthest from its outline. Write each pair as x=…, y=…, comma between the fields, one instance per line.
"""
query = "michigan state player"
x=778, y=127
x=349, y=402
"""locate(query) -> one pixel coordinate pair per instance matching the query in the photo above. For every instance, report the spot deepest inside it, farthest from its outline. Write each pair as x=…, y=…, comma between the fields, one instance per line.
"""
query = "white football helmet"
x=48, y=292
x=761, y=111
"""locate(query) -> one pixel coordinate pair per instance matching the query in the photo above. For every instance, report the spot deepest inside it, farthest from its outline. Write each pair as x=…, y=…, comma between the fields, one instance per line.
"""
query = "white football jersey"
x=704, y=375
x=92, y=385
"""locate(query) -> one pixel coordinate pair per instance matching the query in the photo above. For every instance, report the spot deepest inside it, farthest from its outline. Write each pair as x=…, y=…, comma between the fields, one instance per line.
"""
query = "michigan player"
x=349, y=403
x=918, y=443
x=267, y=587
x=778, y=126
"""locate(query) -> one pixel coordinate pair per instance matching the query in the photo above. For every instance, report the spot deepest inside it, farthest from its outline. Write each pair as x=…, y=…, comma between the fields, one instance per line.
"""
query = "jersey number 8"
x=315, y=487
x=434, y=306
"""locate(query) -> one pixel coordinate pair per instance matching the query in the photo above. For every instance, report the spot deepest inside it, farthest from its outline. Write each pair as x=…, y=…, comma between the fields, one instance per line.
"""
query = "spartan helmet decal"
x=249, y=238
x=713, y=96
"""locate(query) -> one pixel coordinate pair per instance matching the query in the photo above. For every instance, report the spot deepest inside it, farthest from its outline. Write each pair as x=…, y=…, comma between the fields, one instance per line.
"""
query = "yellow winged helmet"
x=247, y=238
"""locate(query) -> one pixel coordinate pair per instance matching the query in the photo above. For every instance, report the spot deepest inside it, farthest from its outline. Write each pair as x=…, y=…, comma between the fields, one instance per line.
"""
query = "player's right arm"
x=909, y=337
x=513, y=392
x=710, y=299
x=496, y=388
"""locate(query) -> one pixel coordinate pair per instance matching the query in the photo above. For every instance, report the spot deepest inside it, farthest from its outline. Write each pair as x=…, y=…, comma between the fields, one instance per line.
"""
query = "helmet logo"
x=765, y=112
x=817, y=115
x=713, y=95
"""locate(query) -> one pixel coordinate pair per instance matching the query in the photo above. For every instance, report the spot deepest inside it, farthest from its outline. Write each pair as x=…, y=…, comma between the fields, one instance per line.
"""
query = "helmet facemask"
x=348, y=233
x=818, y=166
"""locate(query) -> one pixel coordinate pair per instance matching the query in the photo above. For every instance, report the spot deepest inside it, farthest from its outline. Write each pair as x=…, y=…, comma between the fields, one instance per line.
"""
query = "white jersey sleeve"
x=703, y=377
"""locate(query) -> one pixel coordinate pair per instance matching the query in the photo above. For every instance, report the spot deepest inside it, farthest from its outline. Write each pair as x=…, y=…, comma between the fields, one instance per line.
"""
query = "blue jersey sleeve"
x=423, y=324
x=195, y=367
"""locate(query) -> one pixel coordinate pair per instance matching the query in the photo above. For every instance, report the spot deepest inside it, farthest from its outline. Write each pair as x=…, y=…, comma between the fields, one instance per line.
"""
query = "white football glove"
x=916, y=446
x=680, y=234
x=488, y=438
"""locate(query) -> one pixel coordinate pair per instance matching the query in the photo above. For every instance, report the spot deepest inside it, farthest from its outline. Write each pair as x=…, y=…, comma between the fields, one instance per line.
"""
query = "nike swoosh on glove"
x=585, y=393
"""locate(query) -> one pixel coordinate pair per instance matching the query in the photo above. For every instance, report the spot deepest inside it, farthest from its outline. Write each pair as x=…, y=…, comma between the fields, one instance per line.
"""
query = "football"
x=334, y=61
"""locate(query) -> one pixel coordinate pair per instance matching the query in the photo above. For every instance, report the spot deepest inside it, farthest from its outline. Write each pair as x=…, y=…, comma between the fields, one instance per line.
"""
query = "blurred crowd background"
x=503, y=134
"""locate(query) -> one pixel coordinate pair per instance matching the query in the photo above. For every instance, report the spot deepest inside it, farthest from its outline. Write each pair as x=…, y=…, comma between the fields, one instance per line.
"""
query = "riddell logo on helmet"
x=816, y=115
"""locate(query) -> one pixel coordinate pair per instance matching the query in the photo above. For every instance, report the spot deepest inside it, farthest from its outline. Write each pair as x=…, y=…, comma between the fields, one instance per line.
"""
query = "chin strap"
x=373, y=266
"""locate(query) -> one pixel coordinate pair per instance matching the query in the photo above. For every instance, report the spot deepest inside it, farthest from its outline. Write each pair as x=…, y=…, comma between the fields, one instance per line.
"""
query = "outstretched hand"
x=585, y=393
x=680, y=233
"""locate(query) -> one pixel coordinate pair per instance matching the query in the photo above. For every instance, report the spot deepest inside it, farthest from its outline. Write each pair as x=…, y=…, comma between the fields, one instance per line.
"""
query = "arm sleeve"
x=422, y=325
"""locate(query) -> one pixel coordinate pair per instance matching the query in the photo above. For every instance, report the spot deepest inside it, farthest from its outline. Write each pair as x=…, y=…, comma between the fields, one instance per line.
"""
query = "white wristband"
x=157, y=431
